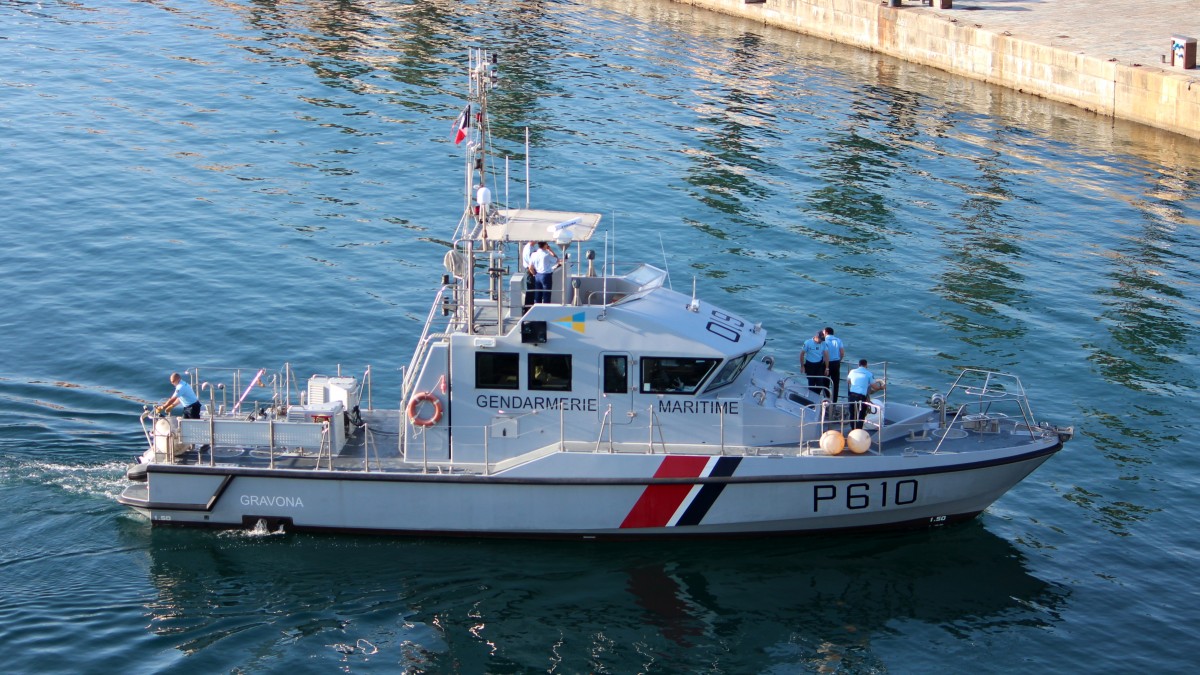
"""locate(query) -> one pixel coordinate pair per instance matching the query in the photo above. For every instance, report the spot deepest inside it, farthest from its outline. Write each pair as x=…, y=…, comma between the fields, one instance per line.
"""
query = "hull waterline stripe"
x=659, y=502
x=683, y=533
x=417, y=477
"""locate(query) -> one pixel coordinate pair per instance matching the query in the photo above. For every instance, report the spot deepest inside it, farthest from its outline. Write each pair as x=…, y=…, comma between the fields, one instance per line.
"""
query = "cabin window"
x=729, y=373
x=497, y=370
x=616, y=373
x=550, y=372
x=667, y=375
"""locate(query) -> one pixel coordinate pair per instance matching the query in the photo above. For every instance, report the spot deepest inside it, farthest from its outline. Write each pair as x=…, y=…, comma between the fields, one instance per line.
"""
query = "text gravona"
x=272, y=500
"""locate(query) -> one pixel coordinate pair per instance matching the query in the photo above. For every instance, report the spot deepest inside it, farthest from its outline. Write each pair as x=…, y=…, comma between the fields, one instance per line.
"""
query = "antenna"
x=569, y=223
x=694, y=305
x=667, y=268
x=604, y=282
x=614, y=244
x=527, y=177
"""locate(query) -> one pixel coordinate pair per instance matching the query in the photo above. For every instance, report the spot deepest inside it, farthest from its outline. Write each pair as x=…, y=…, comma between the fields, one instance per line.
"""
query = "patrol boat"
x=619, y=409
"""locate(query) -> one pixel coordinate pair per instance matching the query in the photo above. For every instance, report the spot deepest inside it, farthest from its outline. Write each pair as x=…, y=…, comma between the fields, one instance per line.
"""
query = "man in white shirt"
x=527, y=250
x=541, y=266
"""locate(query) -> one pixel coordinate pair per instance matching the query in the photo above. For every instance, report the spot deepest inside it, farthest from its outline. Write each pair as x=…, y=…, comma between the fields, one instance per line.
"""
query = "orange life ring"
x=416, y=403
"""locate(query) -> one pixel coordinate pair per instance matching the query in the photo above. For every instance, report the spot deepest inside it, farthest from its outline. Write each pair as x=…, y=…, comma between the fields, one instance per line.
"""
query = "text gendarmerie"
x=517, y=402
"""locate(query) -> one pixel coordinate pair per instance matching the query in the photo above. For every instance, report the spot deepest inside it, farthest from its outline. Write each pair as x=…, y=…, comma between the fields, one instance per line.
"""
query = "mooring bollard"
x=1183, y=52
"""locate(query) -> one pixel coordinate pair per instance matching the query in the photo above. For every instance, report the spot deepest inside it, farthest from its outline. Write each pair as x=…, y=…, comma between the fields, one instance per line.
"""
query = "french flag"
x=462, y=124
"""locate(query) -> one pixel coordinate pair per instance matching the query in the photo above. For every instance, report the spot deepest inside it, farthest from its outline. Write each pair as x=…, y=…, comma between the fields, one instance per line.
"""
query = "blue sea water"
x=249, y=183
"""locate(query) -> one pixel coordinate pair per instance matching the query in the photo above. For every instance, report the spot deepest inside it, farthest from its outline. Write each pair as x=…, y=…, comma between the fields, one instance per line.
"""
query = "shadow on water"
x=1146, y=308
x=859, y=166
x=735, y=114
x=237, y=600
x=983, y=248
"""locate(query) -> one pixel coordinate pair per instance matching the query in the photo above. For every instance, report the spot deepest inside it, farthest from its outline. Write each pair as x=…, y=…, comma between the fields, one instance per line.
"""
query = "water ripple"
x=247, y=183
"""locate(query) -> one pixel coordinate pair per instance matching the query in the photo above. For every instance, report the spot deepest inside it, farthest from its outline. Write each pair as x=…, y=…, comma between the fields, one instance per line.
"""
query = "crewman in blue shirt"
x=861, y=383
x=185, y=395
x=816, y=363
x=837, y=352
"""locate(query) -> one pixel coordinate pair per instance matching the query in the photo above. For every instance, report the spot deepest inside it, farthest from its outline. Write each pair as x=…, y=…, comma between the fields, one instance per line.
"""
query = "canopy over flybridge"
x=541, y=225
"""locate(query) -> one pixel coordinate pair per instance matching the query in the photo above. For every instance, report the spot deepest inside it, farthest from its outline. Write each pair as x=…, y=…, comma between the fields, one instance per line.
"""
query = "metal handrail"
x=1002, y=394
x=949, y=425
x=422, y=344
x=605, y=423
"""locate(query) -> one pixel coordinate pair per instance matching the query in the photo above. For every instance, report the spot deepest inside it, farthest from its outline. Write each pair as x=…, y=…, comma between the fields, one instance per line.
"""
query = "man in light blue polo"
x=816, y=363
x=859, y=381
x=185, y=395
x=837, y=352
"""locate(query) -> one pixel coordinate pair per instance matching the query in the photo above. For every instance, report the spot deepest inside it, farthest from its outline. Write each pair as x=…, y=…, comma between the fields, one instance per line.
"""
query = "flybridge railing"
x=996, y=388
x=242, y=382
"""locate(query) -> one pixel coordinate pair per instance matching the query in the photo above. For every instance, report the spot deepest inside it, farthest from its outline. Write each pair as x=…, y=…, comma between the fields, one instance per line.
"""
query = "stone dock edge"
x=1166, y=99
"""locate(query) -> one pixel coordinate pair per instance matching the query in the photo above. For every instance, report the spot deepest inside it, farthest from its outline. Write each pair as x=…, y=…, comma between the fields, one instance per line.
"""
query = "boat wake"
x=106, y=479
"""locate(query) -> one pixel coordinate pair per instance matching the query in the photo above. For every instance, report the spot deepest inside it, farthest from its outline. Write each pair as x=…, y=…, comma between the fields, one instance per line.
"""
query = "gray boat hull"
x=649, y=496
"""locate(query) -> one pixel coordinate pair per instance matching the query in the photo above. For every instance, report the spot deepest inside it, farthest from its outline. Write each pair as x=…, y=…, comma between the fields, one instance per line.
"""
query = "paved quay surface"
x=1108, y=57
x=1130, y=32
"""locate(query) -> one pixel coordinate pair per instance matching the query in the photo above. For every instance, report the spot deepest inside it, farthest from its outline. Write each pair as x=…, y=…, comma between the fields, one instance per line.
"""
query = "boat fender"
x=859, y=441
x=164, y=436
x=416, y=402
x=137, y=472
x=832, y=442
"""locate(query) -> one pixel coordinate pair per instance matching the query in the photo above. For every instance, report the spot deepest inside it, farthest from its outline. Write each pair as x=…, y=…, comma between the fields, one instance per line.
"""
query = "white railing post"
x=650, y=408
x=721, y=407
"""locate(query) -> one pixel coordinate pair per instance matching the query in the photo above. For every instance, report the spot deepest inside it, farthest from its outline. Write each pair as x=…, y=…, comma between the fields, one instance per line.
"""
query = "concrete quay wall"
x=946, y=39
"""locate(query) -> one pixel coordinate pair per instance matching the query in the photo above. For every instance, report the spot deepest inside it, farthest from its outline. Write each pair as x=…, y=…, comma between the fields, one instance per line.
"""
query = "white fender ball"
x=859, y=441
x=832, y=442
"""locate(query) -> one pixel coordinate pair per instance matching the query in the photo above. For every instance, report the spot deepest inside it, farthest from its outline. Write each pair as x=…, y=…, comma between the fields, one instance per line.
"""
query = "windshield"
x=668, y=375
x=733, y=367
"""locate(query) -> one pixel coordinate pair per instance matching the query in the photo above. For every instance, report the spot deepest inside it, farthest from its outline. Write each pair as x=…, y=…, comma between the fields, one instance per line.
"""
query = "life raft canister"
x=416, y=402
x=164, y=436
